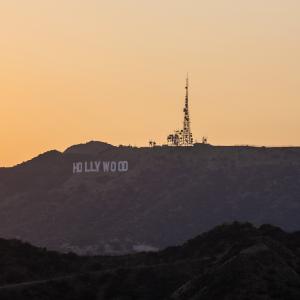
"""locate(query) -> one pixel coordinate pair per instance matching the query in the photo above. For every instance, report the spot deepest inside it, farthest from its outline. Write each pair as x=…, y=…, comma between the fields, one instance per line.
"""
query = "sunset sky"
x=114, y=71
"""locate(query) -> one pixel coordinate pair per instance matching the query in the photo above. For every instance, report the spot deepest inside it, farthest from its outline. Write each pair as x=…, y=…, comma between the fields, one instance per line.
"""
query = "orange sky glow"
x=114, y=71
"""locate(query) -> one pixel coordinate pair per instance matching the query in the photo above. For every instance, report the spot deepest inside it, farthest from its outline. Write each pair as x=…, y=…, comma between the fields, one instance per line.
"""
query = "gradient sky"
x=74, y=71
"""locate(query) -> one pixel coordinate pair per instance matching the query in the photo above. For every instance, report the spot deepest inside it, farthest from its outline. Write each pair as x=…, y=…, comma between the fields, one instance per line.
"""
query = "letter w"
x=106, y=166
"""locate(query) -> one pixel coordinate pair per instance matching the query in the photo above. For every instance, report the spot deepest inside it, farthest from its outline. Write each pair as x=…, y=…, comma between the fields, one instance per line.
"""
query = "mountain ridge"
x=168, y=195
x=231, y=261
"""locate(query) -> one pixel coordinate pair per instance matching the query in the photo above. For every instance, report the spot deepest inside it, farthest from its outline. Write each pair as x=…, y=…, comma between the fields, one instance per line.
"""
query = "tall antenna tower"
x=184, y=136
x=187, y=138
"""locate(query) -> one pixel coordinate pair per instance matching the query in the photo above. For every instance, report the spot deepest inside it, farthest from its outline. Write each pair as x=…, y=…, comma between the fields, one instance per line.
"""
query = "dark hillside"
x=232, y=261
x=168, y=195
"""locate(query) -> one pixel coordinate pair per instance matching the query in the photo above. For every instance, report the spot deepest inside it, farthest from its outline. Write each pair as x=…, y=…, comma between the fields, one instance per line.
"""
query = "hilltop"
x=231, y=261
x=168, y=195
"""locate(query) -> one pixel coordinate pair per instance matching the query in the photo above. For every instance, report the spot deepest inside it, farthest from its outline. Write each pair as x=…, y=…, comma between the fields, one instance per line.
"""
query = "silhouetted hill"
x=92, y=148
x=168, y=195
x=232, y=261
x=21, y=262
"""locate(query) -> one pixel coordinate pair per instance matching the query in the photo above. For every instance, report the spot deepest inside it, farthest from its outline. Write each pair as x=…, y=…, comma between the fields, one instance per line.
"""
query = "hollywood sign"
x=100, y=166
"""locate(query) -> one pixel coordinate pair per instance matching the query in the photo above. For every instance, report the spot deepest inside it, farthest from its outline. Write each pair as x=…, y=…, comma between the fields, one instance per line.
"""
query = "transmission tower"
x=184, y=136
x=187, y=138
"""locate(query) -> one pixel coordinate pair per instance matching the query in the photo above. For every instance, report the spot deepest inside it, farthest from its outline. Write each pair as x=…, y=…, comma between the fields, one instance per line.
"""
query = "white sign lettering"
x=100, y=166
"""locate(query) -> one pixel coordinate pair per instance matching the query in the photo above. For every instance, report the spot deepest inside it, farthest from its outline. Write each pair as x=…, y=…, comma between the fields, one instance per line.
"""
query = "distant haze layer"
x=73, y=71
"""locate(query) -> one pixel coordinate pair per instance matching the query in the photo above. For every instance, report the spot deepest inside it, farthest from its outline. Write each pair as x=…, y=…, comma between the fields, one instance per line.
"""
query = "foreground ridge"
x=231, y=261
